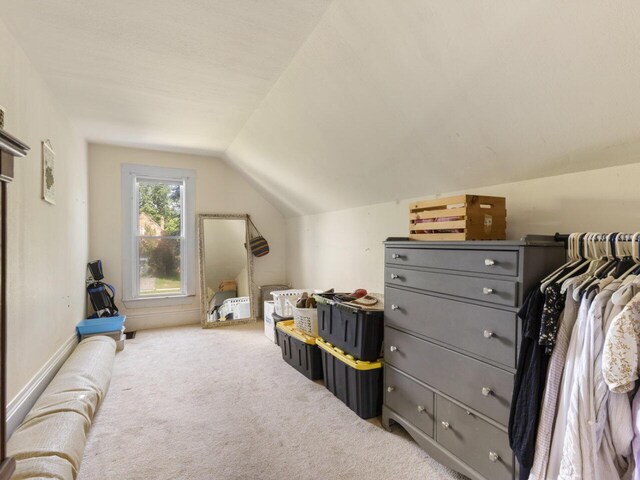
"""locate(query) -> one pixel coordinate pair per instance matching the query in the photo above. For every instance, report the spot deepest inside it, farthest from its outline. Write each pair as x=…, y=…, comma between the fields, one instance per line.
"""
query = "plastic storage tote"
x=100, y=325
x=299, y=350
x=277, y=318
x=357, y=332
x=357, y=383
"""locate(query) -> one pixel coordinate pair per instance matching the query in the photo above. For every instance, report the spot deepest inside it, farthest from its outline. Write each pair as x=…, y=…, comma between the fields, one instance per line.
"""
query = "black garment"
x=553, y=307
x=529, y=384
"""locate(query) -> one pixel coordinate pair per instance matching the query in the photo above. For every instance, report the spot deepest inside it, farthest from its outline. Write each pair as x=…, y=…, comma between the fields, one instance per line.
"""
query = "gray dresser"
x=451, y=344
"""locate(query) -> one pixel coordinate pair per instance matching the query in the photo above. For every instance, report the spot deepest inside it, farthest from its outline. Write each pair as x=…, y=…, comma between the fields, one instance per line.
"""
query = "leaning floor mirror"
x=226, y=268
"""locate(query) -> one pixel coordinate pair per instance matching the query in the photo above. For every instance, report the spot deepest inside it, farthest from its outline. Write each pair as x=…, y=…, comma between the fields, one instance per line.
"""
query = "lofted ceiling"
x=396, y=99
x=171, y=74
x=329, y=105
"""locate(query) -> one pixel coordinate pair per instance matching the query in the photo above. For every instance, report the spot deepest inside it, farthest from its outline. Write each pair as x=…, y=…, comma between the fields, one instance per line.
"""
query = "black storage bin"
x=277, y=318
x=357, y=332
x=299, y=350
x=357, y=383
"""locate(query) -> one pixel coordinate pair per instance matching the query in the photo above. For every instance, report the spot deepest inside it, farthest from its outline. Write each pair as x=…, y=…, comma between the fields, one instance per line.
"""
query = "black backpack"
x=101, y=294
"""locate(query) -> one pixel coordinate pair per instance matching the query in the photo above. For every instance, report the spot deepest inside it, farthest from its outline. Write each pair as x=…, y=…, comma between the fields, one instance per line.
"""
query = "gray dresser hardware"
x=452, y=337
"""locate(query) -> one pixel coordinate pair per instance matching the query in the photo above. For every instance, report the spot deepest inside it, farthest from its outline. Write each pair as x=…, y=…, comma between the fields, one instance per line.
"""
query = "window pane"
x=159, y=209
x=159, y=266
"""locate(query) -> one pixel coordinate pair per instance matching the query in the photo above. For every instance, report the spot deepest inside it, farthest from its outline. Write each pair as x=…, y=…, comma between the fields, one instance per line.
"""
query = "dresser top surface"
x=530, y=241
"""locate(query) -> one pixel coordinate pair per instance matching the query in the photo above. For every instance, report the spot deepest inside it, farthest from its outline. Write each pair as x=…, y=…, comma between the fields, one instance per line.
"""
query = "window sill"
x=158, y=301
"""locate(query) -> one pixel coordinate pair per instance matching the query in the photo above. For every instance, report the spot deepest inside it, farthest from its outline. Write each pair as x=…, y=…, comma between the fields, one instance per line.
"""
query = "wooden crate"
x=464, y=217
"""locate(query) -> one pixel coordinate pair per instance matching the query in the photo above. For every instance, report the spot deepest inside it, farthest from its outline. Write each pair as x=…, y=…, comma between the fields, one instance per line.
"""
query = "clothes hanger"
x=600, y=258
x=627, y=263
x=635, y=248
x=580, y=267
x=574, y=258
x=603, y=275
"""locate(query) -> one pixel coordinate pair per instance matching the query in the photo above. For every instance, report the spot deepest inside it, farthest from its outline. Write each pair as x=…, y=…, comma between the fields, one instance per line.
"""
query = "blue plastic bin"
x=101, y=325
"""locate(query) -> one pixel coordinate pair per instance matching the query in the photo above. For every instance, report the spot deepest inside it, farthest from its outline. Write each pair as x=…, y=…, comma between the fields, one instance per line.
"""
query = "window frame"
x=131, y=174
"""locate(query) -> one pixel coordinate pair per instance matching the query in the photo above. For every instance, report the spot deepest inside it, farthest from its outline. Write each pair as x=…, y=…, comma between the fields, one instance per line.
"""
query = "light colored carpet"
x=187, y=403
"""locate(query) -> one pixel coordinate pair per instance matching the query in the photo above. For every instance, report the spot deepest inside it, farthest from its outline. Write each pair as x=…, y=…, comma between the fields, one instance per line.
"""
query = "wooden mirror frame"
x=203, y=284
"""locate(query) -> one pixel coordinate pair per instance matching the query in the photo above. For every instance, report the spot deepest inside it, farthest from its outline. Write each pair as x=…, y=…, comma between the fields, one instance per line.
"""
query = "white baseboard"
x=147, y=320
x=19, y=407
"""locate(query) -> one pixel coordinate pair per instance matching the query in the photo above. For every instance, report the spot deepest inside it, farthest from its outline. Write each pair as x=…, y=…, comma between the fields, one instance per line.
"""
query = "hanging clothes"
x=568, y=380
x=590, y=329
x=622, y=346
x=529, y=383
x=579, y=454
x=554, y=376
x=614, y=411
x=553, y=306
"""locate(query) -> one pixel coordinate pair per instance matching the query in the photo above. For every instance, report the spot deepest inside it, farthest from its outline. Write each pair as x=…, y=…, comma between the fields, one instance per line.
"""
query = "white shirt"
x=586, y=418
x=566, y=387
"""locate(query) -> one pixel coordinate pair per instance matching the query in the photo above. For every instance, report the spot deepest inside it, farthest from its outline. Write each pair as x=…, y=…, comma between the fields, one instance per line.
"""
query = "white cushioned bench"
x=50, y=441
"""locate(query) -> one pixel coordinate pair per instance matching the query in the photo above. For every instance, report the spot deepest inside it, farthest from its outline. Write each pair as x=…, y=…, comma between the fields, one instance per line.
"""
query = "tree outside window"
x=160, y=237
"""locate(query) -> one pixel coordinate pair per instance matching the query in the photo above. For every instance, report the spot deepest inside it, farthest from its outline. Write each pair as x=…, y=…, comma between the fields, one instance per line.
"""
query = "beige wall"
x=47, y=244
x=219, y=189
x=344, y=249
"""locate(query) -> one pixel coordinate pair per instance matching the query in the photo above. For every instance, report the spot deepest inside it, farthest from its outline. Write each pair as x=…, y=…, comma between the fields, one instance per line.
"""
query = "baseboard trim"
x=157, y=319
x=21, y=404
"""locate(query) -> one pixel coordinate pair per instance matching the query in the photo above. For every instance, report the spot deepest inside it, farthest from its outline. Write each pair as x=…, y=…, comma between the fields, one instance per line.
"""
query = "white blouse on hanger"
x=566, y=387
x=584, y=425
x=622, y=345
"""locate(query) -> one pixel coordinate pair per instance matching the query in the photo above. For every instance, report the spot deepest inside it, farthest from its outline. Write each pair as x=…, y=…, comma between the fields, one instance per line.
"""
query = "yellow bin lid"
x=348, y=359
x=288, y=327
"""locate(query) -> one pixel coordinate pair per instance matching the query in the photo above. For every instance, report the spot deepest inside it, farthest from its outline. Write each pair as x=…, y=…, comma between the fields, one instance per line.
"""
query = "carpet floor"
x=187, y=403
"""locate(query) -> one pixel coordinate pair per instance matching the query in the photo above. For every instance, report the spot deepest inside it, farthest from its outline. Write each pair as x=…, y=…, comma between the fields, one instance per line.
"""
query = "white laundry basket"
x=280, y=298
x=306, y=320
x=240, y=307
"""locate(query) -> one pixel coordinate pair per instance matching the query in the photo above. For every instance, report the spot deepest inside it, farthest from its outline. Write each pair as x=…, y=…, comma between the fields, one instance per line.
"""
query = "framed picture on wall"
x=48, y=173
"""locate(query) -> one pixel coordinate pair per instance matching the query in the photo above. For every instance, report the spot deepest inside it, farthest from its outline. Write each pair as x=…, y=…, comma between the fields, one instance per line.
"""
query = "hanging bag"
x=258, y=244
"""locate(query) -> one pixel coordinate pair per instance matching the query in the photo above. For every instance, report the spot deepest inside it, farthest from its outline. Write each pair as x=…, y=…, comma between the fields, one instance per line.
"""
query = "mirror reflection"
x=225, y=269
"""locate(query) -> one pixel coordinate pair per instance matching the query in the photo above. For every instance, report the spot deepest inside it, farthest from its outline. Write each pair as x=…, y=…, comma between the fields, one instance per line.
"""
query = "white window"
x=158, y=211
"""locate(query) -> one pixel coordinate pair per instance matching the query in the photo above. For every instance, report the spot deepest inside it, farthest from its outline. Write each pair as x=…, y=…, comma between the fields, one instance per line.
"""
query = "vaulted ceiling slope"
x=395, y=99
x=161, y=73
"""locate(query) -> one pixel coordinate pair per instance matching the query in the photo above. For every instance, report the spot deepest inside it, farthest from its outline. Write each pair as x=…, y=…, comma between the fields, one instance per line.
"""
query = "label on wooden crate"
x=488, y=223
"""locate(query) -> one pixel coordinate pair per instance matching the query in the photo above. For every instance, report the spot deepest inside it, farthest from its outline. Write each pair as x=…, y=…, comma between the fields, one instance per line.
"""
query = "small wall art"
x=48, y=173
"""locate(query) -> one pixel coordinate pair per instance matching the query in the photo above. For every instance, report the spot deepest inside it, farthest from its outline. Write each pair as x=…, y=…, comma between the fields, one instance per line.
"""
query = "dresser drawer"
x=495, y=262
x=409, y=399
x=479, y=444
x=500, y=292
x=484, y=331
x=483, y=387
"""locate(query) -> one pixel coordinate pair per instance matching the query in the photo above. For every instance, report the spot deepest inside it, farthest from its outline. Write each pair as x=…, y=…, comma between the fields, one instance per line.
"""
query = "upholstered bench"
x=50, y=441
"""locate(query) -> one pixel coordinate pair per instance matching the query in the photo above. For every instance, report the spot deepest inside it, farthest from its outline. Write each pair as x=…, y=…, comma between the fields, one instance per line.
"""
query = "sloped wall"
x=393, y=99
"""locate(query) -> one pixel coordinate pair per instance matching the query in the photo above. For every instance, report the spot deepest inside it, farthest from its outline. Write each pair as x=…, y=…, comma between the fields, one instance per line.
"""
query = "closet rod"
x=625, y=237
x=562, y=237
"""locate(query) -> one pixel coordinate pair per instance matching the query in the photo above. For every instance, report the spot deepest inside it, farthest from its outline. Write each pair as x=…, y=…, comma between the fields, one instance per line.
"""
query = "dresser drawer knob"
x=487, y=291
x=393, y=348
x=486, y=391
x=488, y=334
x=489, y=262
x=494, y=457
x=395, y=307
x=421, y=408
x=394, y=276
x=391, y=389
x=396, y=255
x=445, y=425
